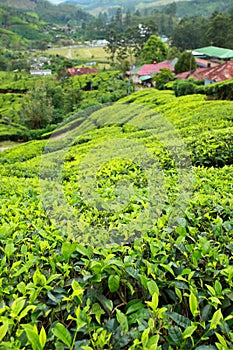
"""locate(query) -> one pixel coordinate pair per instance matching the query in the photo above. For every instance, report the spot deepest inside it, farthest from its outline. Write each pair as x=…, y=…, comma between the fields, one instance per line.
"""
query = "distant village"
x=214, y=64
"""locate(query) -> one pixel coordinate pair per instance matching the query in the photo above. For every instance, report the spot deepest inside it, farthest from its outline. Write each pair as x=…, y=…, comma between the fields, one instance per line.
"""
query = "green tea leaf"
x=42, y=337
x=175, y=335
x=145, y=337
x=106, y=303
x=38, y=278
x=32, y=335
x=62, y=334
x=113, y=283
x=193, y=304
x=152, y=287
x=153, y=342
x=3, y=329
x=122, y=319
x=154, y=303
x=217, y=317
x=26, y=310
x=68, y=249
x=189, y=331
x=9, y=249
x=137, y=305
x=206, y=312
x=17, y=306
x=181, y=320
x=221, y=340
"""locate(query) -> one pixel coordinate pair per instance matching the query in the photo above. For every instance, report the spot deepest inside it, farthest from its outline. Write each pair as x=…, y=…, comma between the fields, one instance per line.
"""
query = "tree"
x=185, y=63
x=219, y=28
x=154, y=50
x=173, y=52
x=36, y=111
x=190, y=33
x=163, y=78
x=112, y=45
x=171, y=9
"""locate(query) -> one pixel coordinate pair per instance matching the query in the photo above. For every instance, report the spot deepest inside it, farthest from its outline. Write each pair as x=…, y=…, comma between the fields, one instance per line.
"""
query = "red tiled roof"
x=153, y=68
x=196, y=74
x=219, y=73
x=80, y=71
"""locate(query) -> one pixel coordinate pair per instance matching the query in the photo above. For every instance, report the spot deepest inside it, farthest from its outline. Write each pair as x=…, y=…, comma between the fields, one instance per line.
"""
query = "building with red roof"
x=211, y=75
x=219, y=73
x=81, y=71
x=154, y=68
x=195, y=74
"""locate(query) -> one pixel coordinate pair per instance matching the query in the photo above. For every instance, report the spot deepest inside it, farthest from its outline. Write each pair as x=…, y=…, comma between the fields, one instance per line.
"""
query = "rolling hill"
x=25, y=21
x=183, y=8
x=118, y=235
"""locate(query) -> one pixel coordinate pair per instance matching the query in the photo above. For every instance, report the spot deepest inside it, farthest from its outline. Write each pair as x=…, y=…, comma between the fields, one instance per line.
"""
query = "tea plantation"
x=118, y=234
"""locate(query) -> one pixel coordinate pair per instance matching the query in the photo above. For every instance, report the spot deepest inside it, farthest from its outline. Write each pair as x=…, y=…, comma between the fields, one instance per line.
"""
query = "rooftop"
x=81, y=71
x=214, y=51
x=154, y=68
x=219, y=73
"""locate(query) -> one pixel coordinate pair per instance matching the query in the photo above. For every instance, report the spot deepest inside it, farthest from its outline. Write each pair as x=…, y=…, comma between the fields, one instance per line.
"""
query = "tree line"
x=133, y=30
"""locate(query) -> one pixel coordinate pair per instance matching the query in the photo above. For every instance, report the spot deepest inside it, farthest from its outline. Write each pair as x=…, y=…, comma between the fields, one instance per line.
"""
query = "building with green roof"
x=213, y=52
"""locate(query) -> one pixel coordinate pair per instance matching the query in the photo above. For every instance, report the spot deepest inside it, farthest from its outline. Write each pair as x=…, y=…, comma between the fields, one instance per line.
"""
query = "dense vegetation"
x=182, y=8
x=35, y=24
x=103, y=247
x=41, y=103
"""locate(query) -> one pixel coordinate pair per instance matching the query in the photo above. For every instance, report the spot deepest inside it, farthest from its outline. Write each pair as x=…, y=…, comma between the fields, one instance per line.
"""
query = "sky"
x=55, y=1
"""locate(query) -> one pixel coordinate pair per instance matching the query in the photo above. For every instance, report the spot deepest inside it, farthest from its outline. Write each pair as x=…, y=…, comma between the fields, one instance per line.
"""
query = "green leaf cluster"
x=168, y=287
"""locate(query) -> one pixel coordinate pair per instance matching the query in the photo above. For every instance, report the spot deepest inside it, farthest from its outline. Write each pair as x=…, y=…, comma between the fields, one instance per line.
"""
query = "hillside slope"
x=119, y=234
x=183, y=8
x=25, y=21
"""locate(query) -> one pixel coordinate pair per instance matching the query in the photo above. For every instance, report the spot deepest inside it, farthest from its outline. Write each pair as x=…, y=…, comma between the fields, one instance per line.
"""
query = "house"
x=219, y=73
x=81, y=71
x=213, y=52
x=215, y=74
x=196, y=74
x=154, y=68
x=41, y=72
x=205, y=63
x=147, y=71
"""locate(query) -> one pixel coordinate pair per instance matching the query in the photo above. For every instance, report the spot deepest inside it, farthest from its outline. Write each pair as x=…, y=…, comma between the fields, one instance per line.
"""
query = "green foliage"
x=170, y=286
x=220, y=91
x=52, y=101
x=185, y=63
x=154, y=50
x=162, y=78
x=184, y=87
x=36, y=110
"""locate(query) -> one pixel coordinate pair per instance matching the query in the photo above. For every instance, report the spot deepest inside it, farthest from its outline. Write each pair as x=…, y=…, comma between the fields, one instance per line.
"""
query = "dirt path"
x=69, y=54
x=60, y=136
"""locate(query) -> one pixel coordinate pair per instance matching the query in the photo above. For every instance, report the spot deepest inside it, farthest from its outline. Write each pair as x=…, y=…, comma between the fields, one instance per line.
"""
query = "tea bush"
x=170, y=285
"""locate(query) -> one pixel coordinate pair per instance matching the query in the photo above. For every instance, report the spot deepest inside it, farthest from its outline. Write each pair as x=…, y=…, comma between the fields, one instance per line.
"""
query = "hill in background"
x=26, y=21
x=183, y=7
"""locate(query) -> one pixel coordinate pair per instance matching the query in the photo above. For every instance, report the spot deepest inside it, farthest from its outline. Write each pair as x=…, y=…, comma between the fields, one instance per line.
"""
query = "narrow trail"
x=69, y=54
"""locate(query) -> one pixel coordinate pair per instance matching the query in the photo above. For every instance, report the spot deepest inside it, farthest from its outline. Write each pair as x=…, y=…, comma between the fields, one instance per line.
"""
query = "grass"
x=96, y=54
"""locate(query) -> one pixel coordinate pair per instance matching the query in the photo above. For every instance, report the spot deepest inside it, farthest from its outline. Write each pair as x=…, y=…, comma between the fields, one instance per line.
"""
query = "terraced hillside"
x=118, y=234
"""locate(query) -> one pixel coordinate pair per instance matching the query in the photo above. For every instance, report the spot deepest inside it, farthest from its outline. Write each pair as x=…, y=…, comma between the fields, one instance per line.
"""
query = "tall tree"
x=154, y=50
x=185, y=63
x=37, y=110
x=219, y=27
